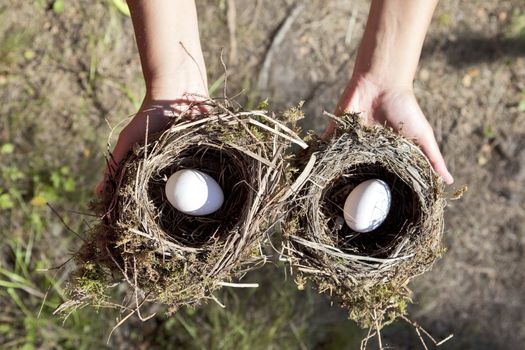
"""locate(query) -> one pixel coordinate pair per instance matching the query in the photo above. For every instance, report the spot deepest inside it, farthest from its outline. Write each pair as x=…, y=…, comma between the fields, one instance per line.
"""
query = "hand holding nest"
x=381, y=84
x=396, y=107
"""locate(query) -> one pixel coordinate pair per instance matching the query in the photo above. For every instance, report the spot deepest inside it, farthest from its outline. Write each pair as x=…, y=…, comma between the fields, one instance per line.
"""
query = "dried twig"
x=231, y=17
x=420, y=330
x=64, y=223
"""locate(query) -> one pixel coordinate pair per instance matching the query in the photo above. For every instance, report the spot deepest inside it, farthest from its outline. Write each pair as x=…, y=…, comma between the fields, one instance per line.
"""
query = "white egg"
x=367, y=206
x=194, y=192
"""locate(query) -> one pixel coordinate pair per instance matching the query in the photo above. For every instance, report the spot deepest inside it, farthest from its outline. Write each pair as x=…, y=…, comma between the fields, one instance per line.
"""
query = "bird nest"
x=368, y=272
x=169, y=257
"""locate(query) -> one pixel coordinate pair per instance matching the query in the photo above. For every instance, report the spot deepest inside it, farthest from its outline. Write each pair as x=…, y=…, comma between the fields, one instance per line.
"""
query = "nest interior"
x=369, y=272
x=228, y=168
x=405, y=210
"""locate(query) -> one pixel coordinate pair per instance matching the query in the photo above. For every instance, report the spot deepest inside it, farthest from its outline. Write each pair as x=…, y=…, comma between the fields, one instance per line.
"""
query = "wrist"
x=391, y=45
x=385, y=67
x=179, y=85
x=183, y=74
x=379, y=82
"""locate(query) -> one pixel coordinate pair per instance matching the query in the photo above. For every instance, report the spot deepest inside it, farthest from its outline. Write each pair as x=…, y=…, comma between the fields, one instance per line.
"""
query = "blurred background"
x=69, y=70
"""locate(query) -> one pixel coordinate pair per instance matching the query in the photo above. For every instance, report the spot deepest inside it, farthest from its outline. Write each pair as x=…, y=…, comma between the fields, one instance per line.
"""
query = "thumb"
x=430, y=148
x=348, y=103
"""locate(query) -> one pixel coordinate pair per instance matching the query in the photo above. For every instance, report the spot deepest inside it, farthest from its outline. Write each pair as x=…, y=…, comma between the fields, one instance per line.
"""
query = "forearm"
x=392, y=42
x=169, y=46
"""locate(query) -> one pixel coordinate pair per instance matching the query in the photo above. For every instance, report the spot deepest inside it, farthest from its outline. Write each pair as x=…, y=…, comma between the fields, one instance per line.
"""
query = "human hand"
x=395, y=106
x=152, y=117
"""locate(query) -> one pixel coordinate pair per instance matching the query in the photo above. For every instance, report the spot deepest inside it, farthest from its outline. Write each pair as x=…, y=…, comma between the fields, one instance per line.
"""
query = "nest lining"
x=228, y=168
x=405, y=211
x=176, y=259
x=369, y=272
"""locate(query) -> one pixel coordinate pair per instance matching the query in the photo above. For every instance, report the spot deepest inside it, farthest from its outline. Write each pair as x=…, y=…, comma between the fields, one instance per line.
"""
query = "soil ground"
x=68, y=69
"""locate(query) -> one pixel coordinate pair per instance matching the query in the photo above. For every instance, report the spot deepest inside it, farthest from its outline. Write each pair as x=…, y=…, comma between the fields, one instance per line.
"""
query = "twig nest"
x=177, y=259
x=368, y=271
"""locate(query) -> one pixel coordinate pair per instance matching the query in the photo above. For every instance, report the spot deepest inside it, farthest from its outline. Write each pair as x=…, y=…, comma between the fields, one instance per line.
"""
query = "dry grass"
x=175, y=259
x=368, y=272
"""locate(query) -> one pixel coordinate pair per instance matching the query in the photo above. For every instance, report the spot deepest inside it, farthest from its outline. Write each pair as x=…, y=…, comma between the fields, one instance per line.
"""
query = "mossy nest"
x=368, y=272
x=176, y=259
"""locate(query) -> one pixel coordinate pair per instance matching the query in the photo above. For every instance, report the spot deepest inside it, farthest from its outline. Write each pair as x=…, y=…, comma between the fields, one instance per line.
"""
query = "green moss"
x=257, y=133
x=294, y=114
x=364, y=306
x=92, y=282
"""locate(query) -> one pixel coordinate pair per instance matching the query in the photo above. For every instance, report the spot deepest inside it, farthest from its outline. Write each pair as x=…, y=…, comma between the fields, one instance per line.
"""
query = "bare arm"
x=173, y=66
x=169, y=46
x=381, y=86
x=391, y=45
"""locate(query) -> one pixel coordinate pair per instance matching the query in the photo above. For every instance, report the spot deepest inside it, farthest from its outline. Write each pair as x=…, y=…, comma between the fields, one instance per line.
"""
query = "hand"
x=153, y=116
x=395, y=106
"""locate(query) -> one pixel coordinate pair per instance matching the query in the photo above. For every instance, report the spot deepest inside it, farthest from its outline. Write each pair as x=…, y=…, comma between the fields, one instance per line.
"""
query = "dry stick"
x=225, y=85
x=121, y=322
x=112, y=167
x=378, y=331
x=80, y=213
x=301, y=179
x=337, y=252
x=445, y=340
x=298, y=141
x=120, y=268
x=250, y=153
x=364, y=342
x=274, y=140
x=418, y=328
x=238, y=285
x=231, y=16
x=203, y=81
x=108, y=304
x=45, y=296
x=56, y=267
x=262, y=82
x=421, y=339
x=186, y=125
x=143, y=319
x=168, y=243
x=243, y=124
x=266, y=127
x=214, y=298
x=64, y=223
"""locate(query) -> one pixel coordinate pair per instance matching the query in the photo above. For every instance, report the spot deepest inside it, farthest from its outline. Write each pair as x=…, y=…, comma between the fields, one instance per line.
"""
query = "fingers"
x=348, y=103
x=153, y=117
x=430, y=147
